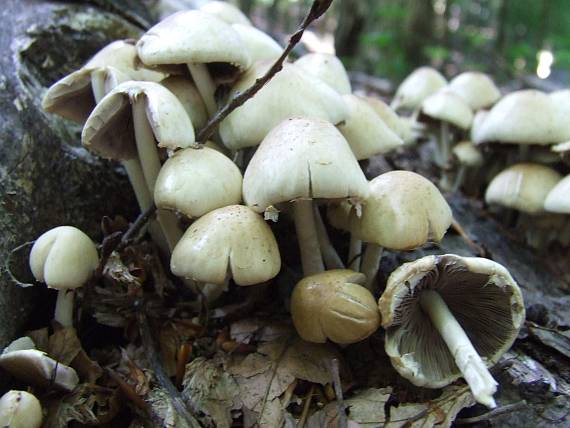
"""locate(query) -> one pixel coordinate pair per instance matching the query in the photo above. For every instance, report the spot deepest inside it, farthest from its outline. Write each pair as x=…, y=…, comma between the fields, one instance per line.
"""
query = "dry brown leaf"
x=441, y=411
x=64, y=345
x=40, y=338
x=134, y=375
x=367, y=407
x=259, y=330
x=163, y=409
x=116, y=271
x=212, y=392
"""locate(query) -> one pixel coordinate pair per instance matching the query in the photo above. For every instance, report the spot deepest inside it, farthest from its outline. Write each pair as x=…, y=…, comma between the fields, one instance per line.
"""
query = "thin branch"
x=161, y=375
x=317, y=9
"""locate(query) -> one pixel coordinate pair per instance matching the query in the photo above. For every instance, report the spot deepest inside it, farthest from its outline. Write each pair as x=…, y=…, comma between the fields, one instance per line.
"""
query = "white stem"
x=371, y=263
x=474, y=370
x=205, y=86
x=444, y=141
x=459, y=179
x=150, y=163
x=64, y=308
x=311, y=258
x=330, y=256
x=354, y=253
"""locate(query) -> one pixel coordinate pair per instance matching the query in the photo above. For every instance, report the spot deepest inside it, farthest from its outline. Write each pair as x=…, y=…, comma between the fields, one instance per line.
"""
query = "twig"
x=503, y=410
x=139, y=223
x=456, y=226
x=306, y=407
x=317, y=9
x=334, y=369
x=156, y=366
x=9, y=262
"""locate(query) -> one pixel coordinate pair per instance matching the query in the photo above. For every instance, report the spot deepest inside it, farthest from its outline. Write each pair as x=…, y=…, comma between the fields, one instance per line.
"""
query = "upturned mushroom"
x=403, y=211
x=197, y=39
x=448, y=317
x=20, y=409
x=130, y=121
x=298, y=161
x=229, y=242
x=64, y=258
x=334, y=305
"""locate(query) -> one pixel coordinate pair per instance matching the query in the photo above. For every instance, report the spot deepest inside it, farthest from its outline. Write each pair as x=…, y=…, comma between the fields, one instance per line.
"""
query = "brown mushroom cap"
x=523, y=186
x=230, y=240
x=402, y=212
x=480, y=293
x=334, y=305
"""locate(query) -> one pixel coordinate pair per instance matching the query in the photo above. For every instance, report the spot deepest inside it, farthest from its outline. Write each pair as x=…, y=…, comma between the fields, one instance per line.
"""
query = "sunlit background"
x=389, y=38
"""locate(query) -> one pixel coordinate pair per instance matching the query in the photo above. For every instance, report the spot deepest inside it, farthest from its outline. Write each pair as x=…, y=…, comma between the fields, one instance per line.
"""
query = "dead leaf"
x=64, y=345
x=259, y=330
x=40, y=338
x=163, y=409
x=118, y=272
x=441, y=411
x=86, y=368
x=88, y=404
x=367, y=407
x=212, y=391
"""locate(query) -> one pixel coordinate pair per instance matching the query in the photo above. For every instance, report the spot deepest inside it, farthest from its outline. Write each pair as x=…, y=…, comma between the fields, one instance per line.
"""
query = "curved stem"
x=330, y=256
x=354, y=253
x=205, y=86
x=371, y=263
x=64, y=308
x=150, y=163
x=474, y=370
x=311, y=258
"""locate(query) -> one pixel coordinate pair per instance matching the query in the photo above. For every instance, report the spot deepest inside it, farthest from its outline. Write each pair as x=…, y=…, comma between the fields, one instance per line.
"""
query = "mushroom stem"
x=371, y=263
x=64, y=308
x=444, y=144
x=205, y=86
x=330, y=256
x=474, y=370
x=459, y=179
x=311, y=257
x=150, y=163
x=354, y=253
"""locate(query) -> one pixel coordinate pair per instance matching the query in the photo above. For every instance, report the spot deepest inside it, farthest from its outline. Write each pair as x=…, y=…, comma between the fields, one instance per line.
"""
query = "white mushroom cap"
x=37, y=368
x=72, y=96
x=302, y=158
x=20, y=409
x=401, y=126
x=480, y=293
x=291, y=93
x=109, y=129
x=334, y=305
x=558, y=199
x=365, y=131
x=561, y=147
x=521, y=117
x=477, y=125
x=196, y=181
x=448, y=107
x=476, y=88
x=328, y=68
x=190, y=99
x=227, y=12
x=523, y=186
x=468, y=154
x=230, y=240
x=561, y=101
x=63, y=258
x=419, y=85
x=193, y=36
x=261, y=47
x=403, y=211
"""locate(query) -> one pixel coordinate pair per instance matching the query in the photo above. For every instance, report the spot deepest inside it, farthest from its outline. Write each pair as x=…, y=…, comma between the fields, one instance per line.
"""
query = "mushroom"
x=190, y=99
x=405, y=128
x=415, y=88
x=20, y=409
x=126, y=123
x=558, y=201
x=334, y=305
x=476, y=88
x=232, y=241
x=301, y=160
x=261, y=47
x=195, y=38
x=468, y=156
x=327, y=68
x=403, y=211
x=563, y=150
x=338, y=215
x=291, y=93
x=225, y=11
x=449, y=316
x=448, y=109
x=64, y=258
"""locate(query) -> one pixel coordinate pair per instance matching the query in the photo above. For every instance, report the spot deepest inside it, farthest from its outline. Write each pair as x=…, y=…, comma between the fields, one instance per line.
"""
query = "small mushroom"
x=64, y=258
x=334, y=305
x=298, y=161
x=20, y=409
x=468, y=156
x=563, y=150
x=404, y=127
x=449, y=316
x=558, y=201
x=195, y=38
x=415, y=88
x=476, y=88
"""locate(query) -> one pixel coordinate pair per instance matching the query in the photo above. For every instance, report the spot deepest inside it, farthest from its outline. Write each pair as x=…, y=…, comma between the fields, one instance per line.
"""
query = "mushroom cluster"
x=293, y=150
